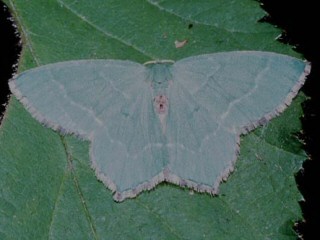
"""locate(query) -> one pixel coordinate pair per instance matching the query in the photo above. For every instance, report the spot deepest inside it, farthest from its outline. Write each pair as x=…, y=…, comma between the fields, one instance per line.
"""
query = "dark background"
x=300, y=23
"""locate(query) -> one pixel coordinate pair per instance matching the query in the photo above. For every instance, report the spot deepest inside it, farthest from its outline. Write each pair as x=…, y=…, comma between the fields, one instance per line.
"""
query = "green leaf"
x=48, y=189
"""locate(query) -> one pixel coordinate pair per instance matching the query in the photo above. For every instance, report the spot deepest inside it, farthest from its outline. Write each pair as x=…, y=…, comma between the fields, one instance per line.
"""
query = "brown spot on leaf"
x=181, y=44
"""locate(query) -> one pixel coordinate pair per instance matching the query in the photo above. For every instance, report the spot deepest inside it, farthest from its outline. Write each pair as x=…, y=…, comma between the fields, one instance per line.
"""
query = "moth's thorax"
x=159, y=74
x=160, y=77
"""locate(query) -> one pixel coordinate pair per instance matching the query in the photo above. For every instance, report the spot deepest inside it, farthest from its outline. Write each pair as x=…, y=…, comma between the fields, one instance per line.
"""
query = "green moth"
x=178, y=122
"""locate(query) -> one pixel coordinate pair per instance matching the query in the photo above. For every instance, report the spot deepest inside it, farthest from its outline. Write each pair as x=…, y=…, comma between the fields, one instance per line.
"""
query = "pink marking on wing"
x=161, y=104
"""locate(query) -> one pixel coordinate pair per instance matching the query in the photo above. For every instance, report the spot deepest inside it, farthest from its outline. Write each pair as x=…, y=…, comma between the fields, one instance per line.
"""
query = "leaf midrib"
x=99, y=29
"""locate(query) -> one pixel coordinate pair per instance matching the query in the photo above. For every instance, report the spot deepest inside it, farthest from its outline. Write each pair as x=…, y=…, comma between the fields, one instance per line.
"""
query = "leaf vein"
x=25, y=33
x=104, y=32
x=77, y=186
x=167, y=225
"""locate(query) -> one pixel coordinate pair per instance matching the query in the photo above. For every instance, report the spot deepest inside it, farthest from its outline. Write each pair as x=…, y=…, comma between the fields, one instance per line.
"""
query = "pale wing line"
x=26, y=35
x=232, y=103
x=111, y=81
x=148, y=146
x=131, y=193
x=278, y=109
x=88, y=110
x=124, y=166
x=72, y=102
x=256, y=81
x=83, y=18
x=206, y=137
x=193, y=131
x=90, y=113
x=117, y=89
x=214, y=188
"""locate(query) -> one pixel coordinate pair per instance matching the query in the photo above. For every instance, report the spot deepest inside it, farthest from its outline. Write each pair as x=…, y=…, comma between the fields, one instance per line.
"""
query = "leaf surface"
x=48, y=189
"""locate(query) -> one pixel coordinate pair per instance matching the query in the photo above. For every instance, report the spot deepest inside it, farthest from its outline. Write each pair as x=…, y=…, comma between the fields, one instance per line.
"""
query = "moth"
x=178, y=122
